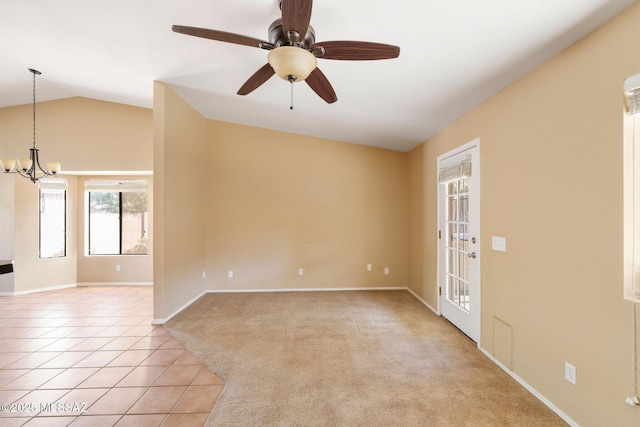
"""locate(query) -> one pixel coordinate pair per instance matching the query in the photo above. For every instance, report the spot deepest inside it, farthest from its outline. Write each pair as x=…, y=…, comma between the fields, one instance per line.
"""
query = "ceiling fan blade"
x=221, y=36
x=356, y=51
x=296, y=15
x=257, y=79
x=320, y=85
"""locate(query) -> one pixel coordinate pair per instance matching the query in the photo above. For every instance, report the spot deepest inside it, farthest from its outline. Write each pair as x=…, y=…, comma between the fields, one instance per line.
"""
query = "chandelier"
x=31, y=168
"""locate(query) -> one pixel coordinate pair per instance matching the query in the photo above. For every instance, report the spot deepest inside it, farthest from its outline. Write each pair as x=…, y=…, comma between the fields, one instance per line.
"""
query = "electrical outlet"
x=118, y=267
x=204, y=274
x=300, y=272
x=230, y=274
x=570, y=373
x=386, y=270
x=369, y=267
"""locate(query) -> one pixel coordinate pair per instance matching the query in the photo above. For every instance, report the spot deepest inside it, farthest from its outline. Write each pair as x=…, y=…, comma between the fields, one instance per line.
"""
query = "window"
x=117, y=217
x=53, y=218
x=631, y=167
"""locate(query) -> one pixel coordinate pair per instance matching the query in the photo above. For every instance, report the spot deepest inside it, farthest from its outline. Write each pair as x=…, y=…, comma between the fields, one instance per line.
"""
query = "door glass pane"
x=453, y=261
x=458, y=243
x=453, y=290
x=463, y=185
x=463, y=208
x=464, y=303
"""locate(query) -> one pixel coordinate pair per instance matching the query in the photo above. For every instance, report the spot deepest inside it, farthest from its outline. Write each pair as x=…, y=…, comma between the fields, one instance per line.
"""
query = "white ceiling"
x=454, y=55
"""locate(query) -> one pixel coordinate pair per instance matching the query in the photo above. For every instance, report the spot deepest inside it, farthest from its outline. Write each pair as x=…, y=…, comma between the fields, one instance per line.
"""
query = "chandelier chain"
x=30, y=168
x=34, y=110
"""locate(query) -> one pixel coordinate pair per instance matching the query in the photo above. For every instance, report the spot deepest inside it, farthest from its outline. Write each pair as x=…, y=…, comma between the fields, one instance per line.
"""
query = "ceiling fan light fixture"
x=289, y=61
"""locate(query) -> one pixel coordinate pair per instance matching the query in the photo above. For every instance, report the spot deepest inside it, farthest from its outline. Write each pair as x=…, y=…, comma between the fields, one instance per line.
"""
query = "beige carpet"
x=366, y=358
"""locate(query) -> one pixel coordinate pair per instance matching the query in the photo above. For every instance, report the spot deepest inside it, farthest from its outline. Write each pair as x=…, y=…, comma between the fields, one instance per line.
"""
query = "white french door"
x=459, y=237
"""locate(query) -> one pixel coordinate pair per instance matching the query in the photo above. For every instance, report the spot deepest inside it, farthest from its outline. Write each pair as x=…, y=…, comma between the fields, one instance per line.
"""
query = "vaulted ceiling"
x=454, y=55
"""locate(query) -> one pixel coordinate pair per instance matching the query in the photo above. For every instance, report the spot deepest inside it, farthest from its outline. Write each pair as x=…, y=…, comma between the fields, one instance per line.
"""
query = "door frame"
x=441, y=218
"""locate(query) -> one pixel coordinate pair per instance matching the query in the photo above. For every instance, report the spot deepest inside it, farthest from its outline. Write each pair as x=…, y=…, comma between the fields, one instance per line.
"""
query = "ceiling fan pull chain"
x=291, y=82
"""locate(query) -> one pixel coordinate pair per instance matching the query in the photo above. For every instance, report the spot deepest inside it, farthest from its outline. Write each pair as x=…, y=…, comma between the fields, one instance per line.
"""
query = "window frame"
x=631, y=188
x=62, y=183
x=110, y=186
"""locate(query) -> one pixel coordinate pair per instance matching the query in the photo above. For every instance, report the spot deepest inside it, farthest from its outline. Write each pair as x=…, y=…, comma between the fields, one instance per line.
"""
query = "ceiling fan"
x=293, y=50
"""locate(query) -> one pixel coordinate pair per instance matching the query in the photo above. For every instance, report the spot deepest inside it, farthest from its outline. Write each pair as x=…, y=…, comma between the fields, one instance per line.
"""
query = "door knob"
x=472, y=255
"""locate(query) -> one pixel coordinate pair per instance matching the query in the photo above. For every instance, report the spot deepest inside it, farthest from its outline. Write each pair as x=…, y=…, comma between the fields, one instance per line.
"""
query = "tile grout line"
x=57, y=337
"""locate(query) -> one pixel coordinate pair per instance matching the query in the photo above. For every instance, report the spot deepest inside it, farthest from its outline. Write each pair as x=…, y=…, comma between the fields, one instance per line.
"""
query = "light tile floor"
x=89, y=356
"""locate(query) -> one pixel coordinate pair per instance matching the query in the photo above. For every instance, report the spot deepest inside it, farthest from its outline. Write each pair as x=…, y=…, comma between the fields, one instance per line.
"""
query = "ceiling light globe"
x=7, y=165
x=54, y=167
x=25, y=164
x=292, y=61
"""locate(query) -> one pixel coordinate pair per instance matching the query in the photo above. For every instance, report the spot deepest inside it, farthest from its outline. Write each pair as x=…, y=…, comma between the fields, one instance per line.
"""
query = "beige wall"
x=277, y=202
x=551, y=153
x=418, y=274
x=179, y=163
x=96, y=269
x=84, y=135
x=264, y=203
x=7, y=228
x=31, y=272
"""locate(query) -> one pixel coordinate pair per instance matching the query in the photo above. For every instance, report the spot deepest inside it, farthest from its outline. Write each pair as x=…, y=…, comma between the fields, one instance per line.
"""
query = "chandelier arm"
x=25, y=174
x=36, y=161
x=35, y=168
x=32, y=172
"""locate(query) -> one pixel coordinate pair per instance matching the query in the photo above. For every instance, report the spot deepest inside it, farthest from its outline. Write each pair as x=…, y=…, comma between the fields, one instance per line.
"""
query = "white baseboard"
x=162, y=321
x=72, y=285
x=219, y=291
x=115, y=284
x=531, y=390
x=33, y=291
x=423, y=301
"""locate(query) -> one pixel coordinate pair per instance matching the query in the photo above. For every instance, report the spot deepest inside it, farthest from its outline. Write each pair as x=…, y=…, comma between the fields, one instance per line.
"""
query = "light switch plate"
x=570, y=373
x=499, y=243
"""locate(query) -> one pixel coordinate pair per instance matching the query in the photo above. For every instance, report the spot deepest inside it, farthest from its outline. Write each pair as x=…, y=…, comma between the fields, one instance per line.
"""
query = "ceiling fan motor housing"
x=278, y=38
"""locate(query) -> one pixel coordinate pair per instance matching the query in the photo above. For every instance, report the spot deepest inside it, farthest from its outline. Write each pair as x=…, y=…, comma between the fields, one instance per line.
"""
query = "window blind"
x=632, y=94
x=53, y=184
x=456, y=170
x=119, y=185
